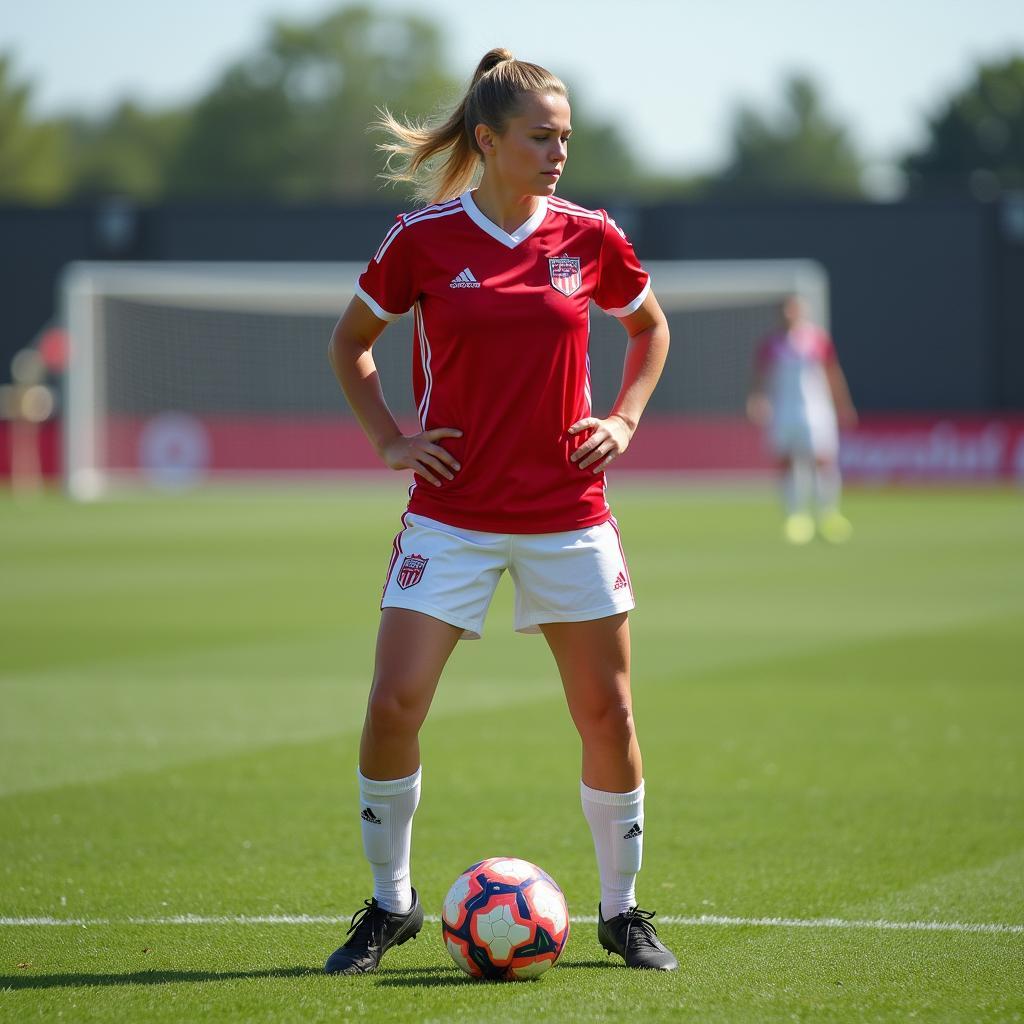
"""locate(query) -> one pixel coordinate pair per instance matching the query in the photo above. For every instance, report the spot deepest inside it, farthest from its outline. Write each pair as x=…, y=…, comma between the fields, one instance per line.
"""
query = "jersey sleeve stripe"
x=575, y=207
x=633, y=306
x=406, y=220
x=571, y=210
x=429, y=211
x=375, y=307
x=388, y=239
x=434, y=216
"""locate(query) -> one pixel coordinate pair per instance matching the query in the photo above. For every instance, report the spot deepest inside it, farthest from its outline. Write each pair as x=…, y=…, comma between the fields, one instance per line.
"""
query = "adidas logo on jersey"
x=620, y=581
x=464, y=279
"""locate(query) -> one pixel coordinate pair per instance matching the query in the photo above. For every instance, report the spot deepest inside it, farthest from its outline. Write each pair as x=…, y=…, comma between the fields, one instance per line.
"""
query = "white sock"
x=797, y=482
x=827, y=487
x=617, y=824
x=386, y=809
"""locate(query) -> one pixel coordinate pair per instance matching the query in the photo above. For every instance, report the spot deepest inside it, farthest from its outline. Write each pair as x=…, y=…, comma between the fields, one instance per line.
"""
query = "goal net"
x=184, y=373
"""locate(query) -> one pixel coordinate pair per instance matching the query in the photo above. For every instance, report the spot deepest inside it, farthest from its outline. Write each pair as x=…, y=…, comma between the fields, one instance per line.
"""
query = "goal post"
x=189, y=373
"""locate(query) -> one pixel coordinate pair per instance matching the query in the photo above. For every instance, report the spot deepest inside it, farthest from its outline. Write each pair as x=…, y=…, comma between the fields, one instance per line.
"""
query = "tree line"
x=287, y=123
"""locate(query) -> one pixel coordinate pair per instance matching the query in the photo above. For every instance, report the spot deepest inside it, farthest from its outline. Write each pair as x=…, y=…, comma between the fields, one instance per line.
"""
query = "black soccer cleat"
x=632, y=936
x=373, y=932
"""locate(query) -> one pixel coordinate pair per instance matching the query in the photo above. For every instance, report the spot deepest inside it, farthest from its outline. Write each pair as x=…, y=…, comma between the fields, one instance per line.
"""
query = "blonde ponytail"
x=441, y=158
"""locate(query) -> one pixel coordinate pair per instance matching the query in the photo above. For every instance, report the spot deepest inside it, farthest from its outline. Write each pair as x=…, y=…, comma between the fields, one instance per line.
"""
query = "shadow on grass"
x=395, y=977
x=439, y=977
x=143, y=978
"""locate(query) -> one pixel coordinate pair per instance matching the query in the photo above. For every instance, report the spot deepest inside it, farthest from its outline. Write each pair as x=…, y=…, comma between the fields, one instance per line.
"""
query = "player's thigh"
x=593, y=660
x=825, y=440
x=791, y=439
x=412, y=651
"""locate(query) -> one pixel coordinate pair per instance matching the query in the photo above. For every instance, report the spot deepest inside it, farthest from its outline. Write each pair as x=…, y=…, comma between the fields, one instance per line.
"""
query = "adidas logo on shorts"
x=620, y=581
x=464, y=279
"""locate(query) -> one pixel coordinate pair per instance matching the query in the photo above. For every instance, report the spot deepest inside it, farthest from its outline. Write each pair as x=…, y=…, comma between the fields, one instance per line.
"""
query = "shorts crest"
x=411, y=571
x=565, y=274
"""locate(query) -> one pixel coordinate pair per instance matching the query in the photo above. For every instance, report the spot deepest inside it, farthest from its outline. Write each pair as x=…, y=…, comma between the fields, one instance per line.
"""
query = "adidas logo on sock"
x=620, y=581
x=464, y=279
x=635, y=831
x=369, y=816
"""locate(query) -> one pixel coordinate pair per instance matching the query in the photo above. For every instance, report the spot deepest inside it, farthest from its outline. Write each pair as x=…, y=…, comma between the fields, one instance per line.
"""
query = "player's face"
x=531, y=154
x=792, y=312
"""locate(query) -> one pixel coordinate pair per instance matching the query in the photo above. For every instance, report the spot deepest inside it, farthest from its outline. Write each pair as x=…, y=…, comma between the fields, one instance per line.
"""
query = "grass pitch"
x=832, y=736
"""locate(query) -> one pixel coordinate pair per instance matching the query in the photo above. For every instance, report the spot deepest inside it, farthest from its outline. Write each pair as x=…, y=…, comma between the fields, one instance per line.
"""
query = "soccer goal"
x=188, y=373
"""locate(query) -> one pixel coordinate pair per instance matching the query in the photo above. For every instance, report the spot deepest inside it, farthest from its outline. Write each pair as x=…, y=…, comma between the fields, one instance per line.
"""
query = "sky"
x=669, y=73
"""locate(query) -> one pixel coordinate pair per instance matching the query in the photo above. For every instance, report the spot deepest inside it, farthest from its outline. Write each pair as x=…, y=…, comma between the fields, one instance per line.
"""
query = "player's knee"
x=390, y=713
x=608, y=723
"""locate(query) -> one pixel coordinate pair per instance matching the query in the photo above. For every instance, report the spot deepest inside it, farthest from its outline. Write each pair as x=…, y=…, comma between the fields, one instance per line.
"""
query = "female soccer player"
x=799, y=395
x=509, y=465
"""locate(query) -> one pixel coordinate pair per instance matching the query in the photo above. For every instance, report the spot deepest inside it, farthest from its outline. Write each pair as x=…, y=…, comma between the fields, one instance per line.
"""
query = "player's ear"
x=484, y=138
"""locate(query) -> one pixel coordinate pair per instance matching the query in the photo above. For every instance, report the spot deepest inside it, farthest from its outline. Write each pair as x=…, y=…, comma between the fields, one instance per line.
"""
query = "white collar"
x=520, y=234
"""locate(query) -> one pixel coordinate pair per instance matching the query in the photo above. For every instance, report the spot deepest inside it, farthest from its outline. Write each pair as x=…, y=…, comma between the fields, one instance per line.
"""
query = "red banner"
x=179, y=449
x=882, y=449
x=953, y=449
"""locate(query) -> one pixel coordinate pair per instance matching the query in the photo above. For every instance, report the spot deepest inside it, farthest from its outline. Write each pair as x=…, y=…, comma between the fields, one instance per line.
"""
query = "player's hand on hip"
x=759, y=410
x=607, y=441
x=423, y=455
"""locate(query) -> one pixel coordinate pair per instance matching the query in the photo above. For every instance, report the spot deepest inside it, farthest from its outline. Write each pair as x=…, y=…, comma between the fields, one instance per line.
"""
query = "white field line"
x=702, y=921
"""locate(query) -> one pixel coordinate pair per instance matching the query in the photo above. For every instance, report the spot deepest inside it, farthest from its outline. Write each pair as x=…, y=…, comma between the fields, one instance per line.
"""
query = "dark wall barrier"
x=927, y=298
x=913, y=287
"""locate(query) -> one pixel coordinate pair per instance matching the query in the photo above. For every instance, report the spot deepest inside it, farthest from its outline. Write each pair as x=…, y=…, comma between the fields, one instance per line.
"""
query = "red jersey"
x=500, y=352
x=793, y=364
x=805, y=341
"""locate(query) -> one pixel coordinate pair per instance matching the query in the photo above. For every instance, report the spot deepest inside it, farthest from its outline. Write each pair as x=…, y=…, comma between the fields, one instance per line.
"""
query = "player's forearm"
x=758, y=385
x=357, y=374
x=646, y=353
x=841, y=396
x=759, y=406
x=840, y=392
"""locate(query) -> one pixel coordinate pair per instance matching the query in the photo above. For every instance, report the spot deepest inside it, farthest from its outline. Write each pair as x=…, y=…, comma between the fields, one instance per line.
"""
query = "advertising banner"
x=180, y=449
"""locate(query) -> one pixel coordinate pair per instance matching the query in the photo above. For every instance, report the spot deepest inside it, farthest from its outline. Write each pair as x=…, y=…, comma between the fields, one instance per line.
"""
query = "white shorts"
x=808, y=435
x=451, y=574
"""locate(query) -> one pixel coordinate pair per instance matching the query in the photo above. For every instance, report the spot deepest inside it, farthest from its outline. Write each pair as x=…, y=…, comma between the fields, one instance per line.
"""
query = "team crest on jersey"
x=566, y=276
x=411, y=571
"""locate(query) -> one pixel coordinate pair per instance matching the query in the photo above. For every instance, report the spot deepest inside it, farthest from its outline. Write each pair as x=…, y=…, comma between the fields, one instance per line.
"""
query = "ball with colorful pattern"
x=504, y=919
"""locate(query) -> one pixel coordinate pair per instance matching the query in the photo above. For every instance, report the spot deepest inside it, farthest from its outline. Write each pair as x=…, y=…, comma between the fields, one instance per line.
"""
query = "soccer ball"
x=504, y=920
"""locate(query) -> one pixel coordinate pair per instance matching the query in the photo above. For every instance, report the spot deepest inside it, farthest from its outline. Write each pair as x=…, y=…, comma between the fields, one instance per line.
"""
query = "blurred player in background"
x=26, y=403
x=509, y=467
x=799, y=395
